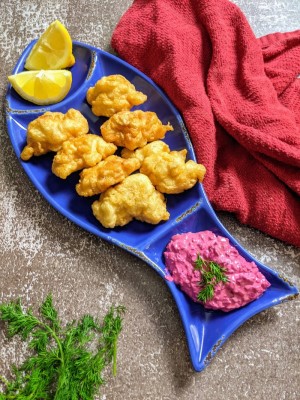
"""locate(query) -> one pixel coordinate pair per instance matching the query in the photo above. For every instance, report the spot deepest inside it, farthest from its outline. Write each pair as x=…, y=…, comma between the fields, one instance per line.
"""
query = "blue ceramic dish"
x=190, y=211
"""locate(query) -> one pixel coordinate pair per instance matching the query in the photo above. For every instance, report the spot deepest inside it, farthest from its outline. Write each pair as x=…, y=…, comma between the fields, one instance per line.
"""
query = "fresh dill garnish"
x=62, y=365
x=211, y=274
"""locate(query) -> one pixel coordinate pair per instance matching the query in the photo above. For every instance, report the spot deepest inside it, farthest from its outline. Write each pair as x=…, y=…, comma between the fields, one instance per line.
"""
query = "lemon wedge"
x=53, y=50
x=42, y=87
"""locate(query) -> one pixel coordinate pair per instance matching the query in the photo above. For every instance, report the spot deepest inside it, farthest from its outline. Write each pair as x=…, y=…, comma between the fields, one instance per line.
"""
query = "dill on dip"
x=62, y=365
x=211, y=274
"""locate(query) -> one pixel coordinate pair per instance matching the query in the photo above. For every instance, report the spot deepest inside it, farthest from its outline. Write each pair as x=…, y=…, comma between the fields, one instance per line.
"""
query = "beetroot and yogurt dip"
x=245, y=282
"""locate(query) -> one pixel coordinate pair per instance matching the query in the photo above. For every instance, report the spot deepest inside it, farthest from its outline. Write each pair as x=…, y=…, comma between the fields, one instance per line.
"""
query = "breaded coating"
x=134, y=129
x=135, y=197
x=81, y=152
x=155, y=147
x=49, y=131
x=112, y=94
x=107, y=173
x=167, y=169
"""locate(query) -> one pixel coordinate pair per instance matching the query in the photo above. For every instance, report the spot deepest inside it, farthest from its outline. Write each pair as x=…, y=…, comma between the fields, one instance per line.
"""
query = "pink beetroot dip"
x=245, y=284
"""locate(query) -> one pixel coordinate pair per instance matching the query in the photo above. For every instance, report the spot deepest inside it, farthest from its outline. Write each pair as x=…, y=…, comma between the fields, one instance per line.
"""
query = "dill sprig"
x=62, y=365
x=211, y=274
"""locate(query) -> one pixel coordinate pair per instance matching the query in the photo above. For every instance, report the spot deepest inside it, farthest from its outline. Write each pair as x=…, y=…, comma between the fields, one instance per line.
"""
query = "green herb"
x=211, y=274
x=63, y=366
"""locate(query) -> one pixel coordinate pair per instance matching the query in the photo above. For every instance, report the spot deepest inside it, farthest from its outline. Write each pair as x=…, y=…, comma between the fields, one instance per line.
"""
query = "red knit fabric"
x=239, y=97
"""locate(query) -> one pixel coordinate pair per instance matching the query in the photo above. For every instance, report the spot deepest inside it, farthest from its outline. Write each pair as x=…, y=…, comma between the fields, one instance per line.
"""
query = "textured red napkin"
x=239, y=97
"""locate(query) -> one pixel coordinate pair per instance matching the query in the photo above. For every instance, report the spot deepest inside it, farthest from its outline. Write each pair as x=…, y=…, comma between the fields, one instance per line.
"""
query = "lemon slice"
x=42, y=87
x=53, y=50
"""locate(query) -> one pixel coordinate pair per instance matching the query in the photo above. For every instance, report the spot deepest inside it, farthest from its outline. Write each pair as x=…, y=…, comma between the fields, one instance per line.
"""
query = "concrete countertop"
x=42, y=252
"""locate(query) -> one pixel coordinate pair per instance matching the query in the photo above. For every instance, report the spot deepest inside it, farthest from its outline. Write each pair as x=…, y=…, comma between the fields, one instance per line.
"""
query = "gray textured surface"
x=40, y=251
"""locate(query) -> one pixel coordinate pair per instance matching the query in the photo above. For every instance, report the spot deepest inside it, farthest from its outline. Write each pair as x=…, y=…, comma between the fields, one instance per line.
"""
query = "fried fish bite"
x=134, y=197
x=81, y=152
x=134, y=129
x=49, y=131
x=167, y=169
x=107, y=173
x=155, y=147
x=112, y=94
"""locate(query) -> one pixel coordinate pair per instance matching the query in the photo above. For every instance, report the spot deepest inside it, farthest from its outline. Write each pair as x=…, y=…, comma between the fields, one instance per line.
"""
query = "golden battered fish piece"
x=112, y=94
x=134, y=129
x=107, y=173
x=49, y=131
x=135, y=197
x=155, y=147
x=167, y=169
x=81, y=152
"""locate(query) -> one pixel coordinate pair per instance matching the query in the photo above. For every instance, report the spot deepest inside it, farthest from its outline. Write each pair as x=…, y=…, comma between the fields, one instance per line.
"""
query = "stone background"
x=41, y=251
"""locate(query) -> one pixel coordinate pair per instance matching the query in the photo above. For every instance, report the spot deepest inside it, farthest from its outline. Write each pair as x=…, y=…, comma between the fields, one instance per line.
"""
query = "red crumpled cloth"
x=239, y=97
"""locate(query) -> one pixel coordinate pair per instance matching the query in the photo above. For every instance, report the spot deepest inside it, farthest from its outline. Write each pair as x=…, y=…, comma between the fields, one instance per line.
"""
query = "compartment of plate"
x=82, y=70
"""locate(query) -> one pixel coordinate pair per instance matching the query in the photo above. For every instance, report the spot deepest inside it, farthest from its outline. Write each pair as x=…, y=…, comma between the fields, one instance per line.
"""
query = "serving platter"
x=190, y=211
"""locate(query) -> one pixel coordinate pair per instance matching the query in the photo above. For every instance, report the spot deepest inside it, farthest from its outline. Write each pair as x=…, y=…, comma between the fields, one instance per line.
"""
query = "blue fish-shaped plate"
x=190, y=211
